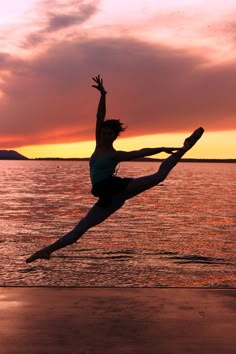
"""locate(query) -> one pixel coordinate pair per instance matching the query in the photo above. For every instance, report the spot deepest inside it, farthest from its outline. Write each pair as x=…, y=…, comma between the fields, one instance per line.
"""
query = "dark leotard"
x=104, y=183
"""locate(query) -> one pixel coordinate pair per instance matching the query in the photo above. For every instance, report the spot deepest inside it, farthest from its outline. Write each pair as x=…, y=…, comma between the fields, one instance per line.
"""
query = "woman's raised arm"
x=101, y=112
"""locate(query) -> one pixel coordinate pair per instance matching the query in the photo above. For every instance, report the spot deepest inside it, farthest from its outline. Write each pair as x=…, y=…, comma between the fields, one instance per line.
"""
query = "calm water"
x=181, y=233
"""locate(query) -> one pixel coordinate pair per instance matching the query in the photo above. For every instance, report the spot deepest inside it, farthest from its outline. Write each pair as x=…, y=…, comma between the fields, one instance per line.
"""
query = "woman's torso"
x=102, y=165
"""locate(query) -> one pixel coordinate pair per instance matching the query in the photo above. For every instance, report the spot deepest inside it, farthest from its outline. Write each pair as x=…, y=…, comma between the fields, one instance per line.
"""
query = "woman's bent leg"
x=95, y=216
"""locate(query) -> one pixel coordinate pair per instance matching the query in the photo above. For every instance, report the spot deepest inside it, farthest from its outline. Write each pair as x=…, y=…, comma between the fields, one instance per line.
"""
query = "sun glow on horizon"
x=214, y=145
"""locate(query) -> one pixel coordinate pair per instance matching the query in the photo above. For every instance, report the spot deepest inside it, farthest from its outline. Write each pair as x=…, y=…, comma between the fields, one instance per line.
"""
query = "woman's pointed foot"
x=193, y=138
x=42, y=254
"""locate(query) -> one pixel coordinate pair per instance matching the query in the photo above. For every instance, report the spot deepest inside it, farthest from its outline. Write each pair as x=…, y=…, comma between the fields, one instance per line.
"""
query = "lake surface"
x=181, y=233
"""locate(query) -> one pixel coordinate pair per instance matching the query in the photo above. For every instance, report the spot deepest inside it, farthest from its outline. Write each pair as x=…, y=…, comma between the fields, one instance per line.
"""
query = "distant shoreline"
x=136, y=160
x=14, y=155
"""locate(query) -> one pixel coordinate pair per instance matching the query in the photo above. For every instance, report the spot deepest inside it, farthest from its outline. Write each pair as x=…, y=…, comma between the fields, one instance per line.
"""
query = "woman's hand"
x=99, y=86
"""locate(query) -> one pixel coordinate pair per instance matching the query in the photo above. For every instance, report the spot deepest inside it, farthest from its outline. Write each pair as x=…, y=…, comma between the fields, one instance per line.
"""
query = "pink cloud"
x=152, y=88
x=59, y=16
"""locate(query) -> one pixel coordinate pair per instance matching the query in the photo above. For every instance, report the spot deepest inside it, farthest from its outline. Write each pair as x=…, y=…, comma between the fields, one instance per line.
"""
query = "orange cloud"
x=152, y=88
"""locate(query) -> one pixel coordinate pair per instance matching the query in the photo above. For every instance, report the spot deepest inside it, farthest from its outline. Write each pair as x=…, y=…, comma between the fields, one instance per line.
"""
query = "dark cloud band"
x=152, y=88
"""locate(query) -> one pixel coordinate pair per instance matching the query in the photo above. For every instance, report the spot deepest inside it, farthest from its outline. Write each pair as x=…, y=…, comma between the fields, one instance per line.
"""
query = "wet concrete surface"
x=117, y=320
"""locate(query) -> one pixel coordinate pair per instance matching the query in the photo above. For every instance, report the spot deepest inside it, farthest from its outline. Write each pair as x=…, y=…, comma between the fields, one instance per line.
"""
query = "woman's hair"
x=115, y=125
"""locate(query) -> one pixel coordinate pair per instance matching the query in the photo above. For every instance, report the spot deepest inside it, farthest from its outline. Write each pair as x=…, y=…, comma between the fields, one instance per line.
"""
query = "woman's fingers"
x=99, y=82
x=97, y=79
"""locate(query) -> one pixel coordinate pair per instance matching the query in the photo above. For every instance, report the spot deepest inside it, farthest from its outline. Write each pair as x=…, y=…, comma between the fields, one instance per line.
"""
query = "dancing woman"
x=112, y=191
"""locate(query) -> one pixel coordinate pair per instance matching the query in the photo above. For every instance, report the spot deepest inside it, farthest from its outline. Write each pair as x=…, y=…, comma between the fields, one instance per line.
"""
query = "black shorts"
x=106, y=189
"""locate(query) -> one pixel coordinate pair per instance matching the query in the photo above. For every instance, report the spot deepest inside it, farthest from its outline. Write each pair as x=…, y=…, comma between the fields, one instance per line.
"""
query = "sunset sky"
x=168, y=66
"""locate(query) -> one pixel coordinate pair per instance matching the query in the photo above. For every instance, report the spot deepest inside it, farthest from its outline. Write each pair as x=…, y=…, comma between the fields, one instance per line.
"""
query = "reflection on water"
x=181, y=233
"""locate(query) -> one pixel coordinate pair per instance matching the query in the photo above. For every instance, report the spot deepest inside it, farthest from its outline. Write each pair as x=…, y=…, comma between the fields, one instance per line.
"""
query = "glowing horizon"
x=209, y=141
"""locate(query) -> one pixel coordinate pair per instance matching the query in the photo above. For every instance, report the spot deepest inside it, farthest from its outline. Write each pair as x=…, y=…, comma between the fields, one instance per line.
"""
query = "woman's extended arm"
x=130, y=155
x=101, y=112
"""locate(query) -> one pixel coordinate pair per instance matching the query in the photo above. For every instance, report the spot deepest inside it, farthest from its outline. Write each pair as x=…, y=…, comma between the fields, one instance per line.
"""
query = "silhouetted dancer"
x=112, y=191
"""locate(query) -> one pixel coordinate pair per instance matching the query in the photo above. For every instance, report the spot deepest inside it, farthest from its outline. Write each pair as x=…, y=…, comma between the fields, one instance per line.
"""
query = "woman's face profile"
x=108, y=135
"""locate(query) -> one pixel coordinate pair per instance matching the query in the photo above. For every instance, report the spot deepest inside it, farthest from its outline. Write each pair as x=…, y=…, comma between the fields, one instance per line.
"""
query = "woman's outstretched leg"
x=139, y=185
x=95, y=216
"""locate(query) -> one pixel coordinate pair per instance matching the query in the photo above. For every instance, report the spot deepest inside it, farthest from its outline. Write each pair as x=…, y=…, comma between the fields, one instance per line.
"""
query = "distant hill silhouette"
x=11, y=155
